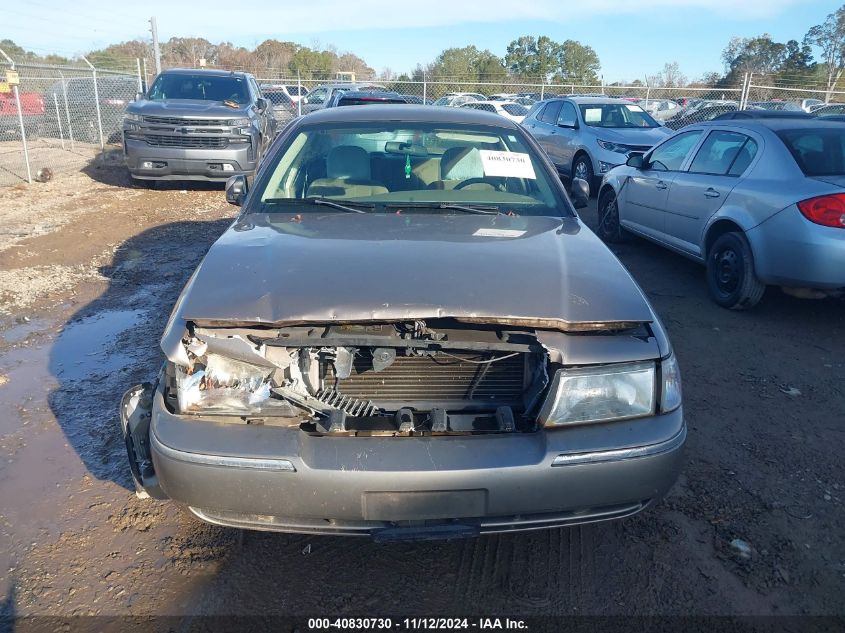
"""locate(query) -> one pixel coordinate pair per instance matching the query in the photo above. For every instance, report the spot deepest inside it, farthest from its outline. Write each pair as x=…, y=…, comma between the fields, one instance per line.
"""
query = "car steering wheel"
x=486, y=181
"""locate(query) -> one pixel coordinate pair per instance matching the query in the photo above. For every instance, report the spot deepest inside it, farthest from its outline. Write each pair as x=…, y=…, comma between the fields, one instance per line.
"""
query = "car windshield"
x=616, y=115
x=409, y=168
x=818, y=152
x=200, y=87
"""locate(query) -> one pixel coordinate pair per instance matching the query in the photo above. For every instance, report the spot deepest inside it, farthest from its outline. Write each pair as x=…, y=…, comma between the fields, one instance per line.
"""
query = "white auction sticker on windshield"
x=498, y=233
x=506, y=164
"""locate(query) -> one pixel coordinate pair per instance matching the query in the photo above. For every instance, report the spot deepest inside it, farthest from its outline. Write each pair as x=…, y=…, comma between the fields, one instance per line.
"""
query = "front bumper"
x=179, y=163
x=277, y=478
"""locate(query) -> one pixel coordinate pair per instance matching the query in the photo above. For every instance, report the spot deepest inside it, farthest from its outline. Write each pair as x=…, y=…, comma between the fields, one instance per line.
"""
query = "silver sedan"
x=759, y=202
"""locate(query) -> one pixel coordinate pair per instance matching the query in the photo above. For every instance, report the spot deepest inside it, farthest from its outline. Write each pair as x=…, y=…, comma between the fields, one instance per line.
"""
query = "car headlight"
x=223, y=386
x=670, y=392
x=239, y=122
x=613, y=147
x=600, y=394
x=129, y=116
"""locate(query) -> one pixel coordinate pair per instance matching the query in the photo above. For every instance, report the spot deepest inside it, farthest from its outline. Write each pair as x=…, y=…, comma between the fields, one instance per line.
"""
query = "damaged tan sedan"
x=408, y=333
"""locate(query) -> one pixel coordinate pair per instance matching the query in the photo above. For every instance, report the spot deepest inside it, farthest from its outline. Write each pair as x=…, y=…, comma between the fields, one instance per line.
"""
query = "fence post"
x=146, y=81
x=20, y=120
x=140, y=83
x=97, y=104
x=67, y=112
x=542, y=89
x=425, y=88
x=299, y=92
x=59, y=119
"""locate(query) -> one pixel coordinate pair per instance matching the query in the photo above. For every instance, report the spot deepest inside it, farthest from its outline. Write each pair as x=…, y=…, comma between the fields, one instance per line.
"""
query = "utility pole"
x=156, y=50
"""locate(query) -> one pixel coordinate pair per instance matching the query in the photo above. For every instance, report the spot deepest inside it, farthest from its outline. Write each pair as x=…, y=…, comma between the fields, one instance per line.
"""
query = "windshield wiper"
x=348, y=206
x=475, y=208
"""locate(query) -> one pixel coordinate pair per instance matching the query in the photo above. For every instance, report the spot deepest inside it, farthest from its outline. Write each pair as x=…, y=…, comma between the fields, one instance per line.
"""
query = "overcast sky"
x=633, y=38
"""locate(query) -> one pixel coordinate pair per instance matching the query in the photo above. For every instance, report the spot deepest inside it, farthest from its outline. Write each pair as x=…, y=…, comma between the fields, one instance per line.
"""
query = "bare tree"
x=830, y=38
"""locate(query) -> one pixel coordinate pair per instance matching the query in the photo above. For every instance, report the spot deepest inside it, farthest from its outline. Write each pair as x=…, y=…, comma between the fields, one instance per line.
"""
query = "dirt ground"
x=89, y=269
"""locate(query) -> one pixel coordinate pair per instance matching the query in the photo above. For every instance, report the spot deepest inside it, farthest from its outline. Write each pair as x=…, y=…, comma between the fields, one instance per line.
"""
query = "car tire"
x=582, y=167
x=609, y=227
x=731, y=279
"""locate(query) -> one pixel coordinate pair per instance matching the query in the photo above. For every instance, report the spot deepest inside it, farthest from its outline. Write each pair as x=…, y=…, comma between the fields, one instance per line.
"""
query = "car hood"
x=187, y=108
x=632, y=136
x=285, y=269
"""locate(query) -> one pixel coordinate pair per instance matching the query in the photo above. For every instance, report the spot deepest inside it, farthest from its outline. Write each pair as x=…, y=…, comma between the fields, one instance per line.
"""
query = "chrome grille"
x=162, y=140
x=434, y=379
x=171, y=120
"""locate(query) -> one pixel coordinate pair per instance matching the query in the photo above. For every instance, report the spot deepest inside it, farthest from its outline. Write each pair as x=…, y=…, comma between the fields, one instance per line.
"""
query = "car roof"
x=204, y=71
x=410, y=113
x=596, y=100
x=778, y=123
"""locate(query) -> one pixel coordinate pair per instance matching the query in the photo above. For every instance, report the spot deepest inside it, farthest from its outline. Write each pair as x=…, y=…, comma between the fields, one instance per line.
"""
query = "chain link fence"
x=64, y=118
x=60, y=118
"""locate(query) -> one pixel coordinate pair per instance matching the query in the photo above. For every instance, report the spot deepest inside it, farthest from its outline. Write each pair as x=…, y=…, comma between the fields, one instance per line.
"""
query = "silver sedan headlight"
x=223, y=386
x=600, y=394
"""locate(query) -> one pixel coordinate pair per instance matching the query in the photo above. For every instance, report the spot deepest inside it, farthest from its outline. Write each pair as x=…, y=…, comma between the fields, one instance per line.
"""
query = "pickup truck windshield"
x=200, y=87
x=410, y=167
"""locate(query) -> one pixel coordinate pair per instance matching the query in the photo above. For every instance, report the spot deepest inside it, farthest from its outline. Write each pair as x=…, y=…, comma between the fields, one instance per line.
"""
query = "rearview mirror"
x=236, y=188
x=636, y=160
x=580, y=192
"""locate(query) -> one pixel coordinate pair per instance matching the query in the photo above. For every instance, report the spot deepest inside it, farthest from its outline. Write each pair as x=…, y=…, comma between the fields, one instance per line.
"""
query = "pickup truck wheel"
x=731, y=279
x=609, y=227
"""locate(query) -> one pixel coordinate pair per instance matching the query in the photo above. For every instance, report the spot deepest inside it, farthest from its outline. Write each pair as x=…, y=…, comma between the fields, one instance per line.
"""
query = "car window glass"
x=743, y=158
x=718, y=152
x=550, y=112
x=670, y=156
x=514, y=109
x=818, y=152
x=318, y=95
x=567, y=115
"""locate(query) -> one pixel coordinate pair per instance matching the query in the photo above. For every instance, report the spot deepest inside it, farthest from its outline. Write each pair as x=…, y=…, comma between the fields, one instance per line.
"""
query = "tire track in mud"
x=546, y=571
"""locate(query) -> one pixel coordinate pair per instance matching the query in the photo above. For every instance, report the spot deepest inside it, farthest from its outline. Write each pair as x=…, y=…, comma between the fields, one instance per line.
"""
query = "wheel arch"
x=717, y=228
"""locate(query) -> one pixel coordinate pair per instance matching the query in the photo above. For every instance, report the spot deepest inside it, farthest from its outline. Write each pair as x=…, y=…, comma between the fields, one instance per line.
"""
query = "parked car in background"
x=322, y=94
x=660, y=109
x=454, y=101
x=475, y=95
x=782, y=106
x=703, y=111
x=833, y=108
x=501, y=96
x=294, y=91
x=114, y=93
x=762, y=114
x=526, y=101
x=808, y=104
x=284, y=107
x=32, y=111
x=758, y=202
x=197, y=125
x=361, y=97
x=417, y=99
x=507, y=109
x=585, y=137
x=337, y=367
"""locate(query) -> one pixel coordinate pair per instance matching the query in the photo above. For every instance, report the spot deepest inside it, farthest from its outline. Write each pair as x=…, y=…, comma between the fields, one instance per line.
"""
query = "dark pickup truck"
x=197, y=125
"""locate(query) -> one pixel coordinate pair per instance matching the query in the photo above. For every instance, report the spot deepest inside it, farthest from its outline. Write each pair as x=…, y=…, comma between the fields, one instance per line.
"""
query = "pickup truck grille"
x=178, y=121
x=440, y=379
x=162, y=140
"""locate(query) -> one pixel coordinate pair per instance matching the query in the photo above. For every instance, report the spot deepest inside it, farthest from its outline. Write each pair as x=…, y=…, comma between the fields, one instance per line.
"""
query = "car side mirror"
x=636, y=159
x=139, y=96
x=580, y=192
x=261, y=104
x=236, y=188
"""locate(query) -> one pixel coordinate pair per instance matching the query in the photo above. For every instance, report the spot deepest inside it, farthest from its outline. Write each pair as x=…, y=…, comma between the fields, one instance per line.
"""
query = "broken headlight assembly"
x=611, y=392
x=224, y=386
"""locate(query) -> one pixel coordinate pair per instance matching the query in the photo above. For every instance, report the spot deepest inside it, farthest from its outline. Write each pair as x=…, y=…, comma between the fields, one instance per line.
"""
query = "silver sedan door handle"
x=711, y=193
x=661, y=185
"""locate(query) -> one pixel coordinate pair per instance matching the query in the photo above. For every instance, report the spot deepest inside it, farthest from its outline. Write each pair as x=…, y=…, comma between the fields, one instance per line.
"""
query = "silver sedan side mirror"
x=236, y=189
x=580, y=192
